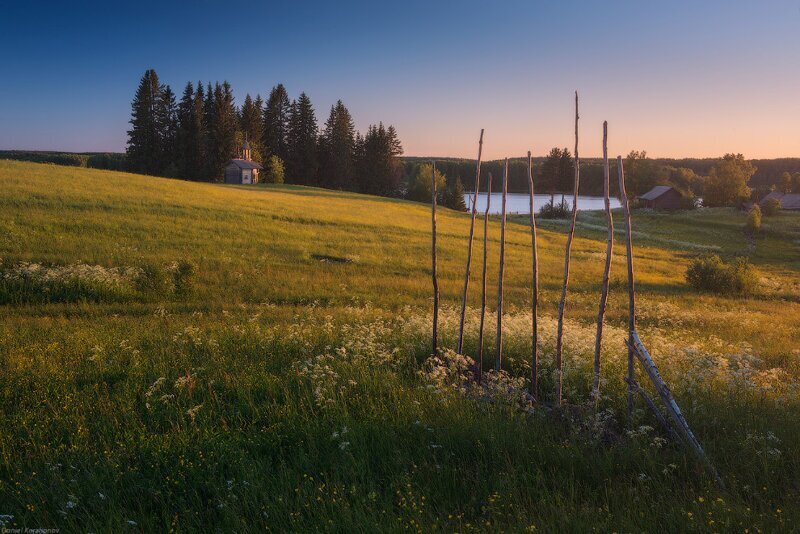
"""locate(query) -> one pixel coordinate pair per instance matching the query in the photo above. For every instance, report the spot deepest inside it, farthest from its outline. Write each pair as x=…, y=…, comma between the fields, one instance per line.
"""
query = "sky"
x=677, y=79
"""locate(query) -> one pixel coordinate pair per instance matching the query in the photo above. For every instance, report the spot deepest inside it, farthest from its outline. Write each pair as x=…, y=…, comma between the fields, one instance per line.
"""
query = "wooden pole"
x=656, y=412
x=606, y=271
x=623, y=197
x=499, y=339
x=479, y=363
x=534, y=391
x=433, y=260
x=673, y=411
x=460, y=344
x=563, y=301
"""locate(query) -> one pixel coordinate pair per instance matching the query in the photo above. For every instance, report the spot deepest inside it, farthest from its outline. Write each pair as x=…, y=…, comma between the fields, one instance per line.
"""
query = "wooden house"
x=789, y=201
x=242, y=170
x=661, y=197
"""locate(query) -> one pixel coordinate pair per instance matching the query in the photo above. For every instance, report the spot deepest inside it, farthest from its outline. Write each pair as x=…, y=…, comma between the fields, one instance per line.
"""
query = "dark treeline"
x=193, y=137
x=555, y=173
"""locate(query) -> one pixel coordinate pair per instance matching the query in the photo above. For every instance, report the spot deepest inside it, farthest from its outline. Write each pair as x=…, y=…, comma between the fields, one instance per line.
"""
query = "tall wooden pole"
x=623, y=197
x=499, y=339
x=563, y=301
x=460, y=344
x=479, y=370
x=607, y=270
x=534, y=290
x=433, y=260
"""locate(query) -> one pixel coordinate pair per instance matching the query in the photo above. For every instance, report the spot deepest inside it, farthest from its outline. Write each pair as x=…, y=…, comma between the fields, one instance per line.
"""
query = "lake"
x=520, y=202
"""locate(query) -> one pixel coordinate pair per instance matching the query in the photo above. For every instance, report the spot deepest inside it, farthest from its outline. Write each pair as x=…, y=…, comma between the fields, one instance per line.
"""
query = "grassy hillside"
x=289, y=387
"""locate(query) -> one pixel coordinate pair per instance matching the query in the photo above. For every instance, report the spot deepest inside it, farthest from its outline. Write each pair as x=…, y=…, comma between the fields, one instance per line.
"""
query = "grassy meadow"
x=287, y=385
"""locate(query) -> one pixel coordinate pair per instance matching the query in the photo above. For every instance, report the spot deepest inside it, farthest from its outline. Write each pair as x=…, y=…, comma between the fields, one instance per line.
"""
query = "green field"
x=289, y=387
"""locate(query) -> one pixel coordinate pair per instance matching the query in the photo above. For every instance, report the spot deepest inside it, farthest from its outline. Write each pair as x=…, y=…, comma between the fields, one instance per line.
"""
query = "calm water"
x=520, y=202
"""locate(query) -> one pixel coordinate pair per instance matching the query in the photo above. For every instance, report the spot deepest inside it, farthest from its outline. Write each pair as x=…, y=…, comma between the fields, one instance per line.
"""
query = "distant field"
x=288, y=387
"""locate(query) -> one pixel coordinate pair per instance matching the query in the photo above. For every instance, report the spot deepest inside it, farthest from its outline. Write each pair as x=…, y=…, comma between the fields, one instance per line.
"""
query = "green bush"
x=151, y=279
x=771, y=207
x=273, y=171
x=551, y=210
x=754, y=219
x=183, y=276
x=710, y=273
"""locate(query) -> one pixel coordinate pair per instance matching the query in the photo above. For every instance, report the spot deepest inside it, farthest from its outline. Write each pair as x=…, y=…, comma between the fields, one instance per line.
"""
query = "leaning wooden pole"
x=479, y=363
x=534, y=391
x=679, y=422
x=623, y=198
x=606, y=271
x=433, y=260
x=562, y=303
x=498, y=357
x=460, y=344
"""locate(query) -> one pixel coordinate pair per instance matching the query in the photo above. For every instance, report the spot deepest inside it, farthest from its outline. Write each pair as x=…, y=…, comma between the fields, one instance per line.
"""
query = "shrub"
x=710, y=273
x=754, y=219
x=183, y=275
x=27, y=283
x=150, y=279
x=771, y=207
x=273, y=173
x=551, y=210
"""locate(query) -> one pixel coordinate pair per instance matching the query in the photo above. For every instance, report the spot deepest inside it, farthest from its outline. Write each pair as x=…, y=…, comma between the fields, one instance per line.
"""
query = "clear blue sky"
x=674, y=78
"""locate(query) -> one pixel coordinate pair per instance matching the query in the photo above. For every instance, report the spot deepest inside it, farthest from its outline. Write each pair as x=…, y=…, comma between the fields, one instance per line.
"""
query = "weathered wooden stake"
x=673, y=411
x=563, y=301
x=479, y=363
x=433, y=260
x=460, y=344
x=499, y=339
x=656, y=412
x=623, y=197
x=534, y=391
x=607, y=270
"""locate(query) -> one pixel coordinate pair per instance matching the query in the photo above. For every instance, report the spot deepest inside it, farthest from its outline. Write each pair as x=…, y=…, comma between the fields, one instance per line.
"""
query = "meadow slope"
x=289, y=386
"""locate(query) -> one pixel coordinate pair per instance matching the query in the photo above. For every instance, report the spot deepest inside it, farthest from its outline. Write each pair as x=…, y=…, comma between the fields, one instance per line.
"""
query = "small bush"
x=754, y=219
x=273, y=171
x=551, y=210
x=183, y=276
x=151, y=279
x=710, y=273
x=771, y=207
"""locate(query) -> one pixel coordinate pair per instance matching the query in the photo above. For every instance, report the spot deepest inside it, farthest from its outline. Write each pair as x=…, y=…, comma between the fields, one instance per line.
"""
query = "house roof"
x=656, y=192
x=244, y=164
x=789, y=201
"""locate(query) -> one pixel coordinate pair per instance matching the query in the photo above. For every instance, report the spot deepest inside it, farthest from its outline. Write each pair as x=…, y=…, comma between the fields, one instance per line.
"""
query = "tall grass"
x=283, y=392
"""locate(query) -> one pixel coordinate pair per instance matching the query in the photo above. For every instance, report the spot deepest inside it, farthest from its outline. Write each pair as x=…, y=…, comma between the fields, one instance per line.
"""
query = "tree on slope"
x=145, y=150
x=275, y=123
x=727, y=181
x=222, y=130
x=301, y=162
x=379, y=170
x=250, y=125
x=336, y=146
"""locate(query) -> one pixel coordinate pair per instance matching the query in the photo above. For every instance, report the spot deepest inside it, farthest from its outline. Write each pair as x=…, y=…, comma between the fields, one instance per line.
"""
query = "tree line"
x=194, y=137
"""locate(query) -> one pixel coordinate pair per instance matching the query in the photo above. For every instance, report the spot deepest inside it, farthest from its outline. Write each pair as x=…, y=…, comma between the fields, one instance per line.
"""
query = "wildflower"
x=192, y=412
x=343, y=445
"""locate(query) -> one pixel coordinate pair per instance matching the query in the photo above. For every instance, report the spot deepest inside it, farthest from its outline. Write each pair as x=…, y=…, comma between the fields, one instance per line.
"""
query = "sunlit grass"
x=285, y=392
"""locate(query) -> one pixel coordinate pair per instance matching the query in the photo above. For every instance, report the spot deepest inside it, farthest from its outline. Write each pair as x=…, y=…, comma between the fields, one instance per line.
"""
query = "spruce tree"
x=276, y=123
x=301, y=162
x=250, y=125
x=167, y=116
x=185, y=131
x=144, y=150
x=336, y=149
x=222, y=130
x=379, y=169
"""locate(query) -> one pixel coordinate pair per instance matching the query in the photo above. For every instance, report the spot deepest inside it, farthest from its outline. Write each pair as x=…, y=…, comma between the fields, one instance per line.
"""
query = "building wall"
x=671, y=200
x=233, y=174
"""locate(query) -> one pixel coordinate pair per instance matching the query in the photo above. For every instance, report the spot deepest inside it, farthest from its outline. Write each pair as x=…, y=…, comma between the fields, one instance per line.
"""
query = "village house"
x=789, y=201
x=661, y=197
x=242, y=170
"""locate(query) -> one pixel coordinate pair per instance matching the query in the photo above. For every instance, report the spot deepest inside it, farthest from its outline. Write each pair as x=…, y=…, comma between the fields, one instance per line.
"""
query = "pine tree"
x=301, y=162
x=336, y=148
x=190, y=141
x=144, y=138
x=379, y=170
x=167, y=117
x=222, y=130
x=250, y=124
x=276, y=123
x=566, y=172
